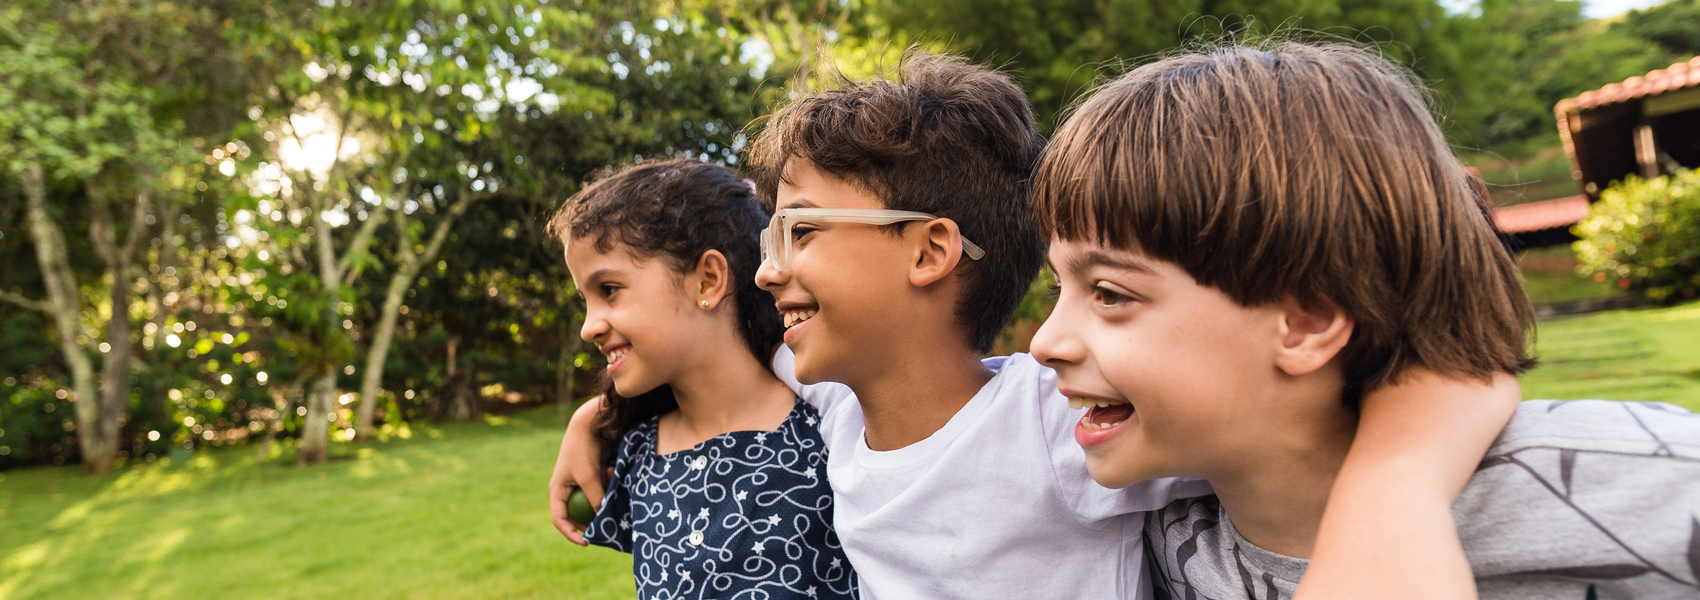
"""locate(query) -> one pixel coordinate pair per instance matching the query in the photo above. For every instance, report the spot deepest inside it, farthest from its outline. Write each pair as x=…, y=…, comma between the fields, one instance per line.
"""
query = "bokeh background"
x=278, y=317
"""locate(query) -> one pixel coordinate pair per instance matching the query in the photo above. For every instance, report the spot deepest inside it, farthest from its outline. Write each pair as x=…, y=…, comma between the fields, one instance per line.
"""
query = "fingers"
x=558, y=494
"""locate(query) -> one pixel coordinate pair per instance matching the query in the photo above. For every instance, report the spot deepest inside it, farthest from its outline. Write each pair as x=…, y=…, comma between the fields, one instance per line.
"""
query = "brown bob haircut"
x=946, y=137
x=1287, y=169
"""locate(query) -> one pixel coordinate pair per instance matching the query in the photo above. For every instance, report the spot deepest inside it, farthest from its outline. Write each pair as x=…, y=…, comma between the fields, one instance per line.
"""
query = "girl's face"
x=638, y=313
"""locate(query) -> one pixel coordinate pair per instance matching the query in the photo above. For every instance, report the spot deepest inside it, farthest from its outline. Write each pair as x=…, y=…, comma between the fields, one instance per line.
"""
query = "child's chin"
x=1111, y=473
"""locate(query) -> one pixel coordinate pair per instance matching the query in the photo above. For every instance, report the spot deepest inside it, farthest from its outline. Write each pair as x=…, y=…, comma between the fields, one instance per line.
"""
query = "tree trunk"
x=570, y=344
x=315, y=429
x=315, y=435
x=65, y=307
x=280, y=400
x=400, y=282
x=115, y=380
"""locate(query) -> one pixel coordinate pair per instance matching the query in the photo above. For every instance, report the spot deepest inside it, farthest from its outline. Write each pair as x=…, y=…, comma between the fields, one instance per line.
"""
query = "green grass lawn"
x=1633, y=354
x=459, y=511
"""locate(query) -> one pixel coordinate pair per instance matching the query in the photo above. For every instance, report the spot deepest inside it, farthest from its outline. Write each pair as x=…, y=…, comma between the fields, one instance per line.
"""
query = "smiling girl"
x=719, y=485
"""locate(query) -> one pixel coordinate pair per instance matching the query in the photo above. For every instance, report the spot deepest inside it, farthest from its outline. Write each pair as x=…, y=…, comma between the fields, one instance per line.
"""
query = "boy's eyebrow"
x=800, y=203
x=1095, y=258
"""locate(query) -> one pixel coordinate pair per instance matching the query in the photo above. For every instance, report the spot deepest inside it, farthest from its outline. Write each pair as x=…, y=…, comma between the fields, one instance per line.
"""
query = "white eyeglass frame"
x=776, y=239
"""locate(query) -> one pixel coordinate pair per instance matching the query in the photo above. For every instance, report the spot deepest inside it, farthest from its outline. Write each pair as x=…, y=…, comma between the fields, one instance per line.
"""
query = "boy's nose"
x=771, y=279
x=1054, y=344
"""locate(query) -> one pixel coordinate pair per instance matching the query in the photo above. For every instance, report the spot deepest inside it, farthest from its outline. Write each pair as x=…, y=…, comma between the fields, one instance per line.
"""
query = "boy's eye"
x=1108, y=297
x=798, y=231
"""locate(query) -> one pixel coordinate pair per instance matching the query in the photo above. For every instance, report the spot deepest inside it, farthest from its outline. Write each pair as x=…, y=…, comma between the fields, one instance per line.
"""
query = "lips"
x=796, y=317
x=616, y=356
x=1103, y=420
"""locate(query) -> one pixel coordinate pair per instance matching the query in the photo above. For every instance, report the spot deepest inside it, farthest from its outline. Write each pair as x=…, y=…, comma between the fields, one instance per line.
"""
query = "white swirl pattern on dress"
x=744, y=515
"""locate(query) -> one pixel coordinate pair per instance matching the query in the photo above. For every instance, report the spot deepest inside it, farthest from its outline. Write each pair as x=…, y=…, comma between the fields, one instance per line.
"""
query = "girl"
x=718, y=484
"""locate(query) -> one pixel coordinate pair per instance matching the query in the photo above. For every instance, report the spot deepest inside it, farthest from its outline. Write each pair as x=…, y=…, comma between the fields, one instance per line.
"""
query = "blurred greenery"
x=1633, y=354
x=458, y=511
x=1642, y=236
x=1552, y=275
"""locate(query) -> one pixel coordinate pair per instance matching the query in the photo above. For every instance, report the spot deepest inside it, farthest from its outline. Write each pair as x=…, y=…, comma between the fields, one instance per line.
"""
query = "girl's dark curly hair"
x=674, y=210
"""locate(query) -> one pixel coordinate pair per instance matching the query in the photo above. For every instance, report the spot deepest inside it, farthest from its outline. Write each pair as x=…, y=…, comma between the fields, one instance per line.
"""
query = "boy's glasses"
x=776, y=239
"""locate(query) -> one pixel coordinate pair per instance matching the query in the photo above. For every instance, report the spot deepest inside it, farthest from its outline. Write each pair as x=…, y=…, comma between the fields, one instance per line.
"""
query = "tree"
x=88, y=122
x=1673, y=26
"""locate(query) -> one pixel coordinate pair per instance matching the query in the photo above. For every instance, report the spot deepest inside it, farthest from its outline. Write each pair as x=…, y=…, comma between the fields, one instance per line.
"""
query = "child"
x=1283, y=230
x=956, y=477
x=718, y=484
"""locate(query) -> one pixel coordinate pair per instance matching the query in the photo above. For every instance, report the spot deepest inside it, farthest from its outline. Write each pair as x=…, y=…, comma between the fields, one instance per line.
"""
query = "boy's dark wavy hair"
x=674, y=210
x=942, y=136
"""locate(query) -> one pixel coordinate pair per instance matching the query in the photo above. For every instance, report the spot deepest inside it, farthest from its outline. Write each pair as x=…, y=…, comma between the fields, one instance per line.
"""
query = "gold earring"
x=704, y=304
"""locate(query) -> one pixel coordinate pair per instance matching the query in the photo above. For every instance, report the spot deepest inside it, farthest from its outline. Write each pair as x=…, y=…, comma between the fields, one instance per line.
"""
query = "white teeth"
x=793, y=317
x=1079, y=403
x=618, y=354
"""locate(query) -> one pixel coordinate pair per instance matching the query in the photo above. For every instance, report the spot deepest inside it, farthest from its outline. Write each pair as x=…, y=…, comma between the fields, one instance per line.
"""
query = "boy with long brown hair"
x=1254, y=240
x=901, y=245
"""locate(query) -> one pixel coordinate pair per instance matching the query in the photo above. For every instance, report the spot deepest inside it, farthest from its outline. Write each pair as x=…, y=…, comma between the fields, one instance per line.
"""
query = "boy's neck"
x=1276, y=494
x=916, y=389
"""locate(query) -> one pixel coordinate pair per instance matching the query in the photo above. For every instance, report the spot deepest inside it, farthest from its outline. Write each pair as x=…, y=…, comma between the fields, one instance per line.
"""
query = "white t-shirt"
x=995, y=504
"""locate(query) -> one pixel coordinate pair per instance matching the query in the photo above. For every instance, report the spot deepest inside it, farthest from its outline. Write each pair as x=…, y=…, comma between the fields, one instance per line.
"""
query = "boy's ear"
x=1310, y=335
x=938, y=253
x=711, y=279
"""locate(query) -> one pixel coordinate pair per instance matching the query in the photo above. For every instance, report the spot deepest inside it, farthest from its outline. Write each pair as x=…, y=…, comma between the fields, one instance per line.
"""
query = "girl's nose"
x=594, y=326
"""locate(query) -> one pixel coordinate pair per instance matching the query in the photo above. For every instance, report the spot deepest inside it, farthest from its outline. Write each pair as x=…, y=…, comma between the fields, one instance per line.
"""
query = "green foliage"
x=1674, y=26
x=1641, y=234
x=1525, y=56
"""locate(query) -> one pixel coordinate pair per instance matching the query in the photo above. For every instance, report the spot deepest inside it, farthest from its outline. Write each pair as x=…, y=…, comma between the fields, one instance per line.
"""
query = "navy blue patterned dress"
x=745, y=515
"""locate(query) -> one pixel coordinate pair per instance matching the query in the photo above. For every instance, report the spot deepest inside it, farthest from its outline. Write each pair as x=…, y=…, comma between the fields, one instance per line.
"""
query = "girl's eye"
x=1053, y=291
x=608, y=289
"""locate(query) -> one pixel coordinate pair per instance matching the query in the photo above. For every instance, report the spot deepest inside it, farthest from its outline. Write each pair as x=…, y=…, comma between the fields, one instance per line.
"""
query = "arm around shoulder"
x=1388, y=530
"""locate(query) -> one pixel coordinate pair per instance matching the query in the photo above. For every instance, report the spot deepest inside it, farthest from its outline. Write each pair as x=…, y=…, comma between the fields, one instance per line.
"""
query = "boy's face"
x=1180, y=366
x=837, y=293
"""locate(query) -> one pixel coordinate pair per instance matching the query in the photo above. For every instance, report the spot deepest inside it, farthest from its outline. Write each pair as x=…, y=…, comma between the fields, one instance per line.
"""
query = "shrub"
x=1644, y=234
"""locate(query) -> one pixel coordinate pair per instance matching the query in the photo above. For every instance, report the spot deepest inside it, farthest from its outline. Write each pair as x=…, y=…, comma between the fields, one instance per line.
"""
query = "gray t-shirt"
x=1583, y=499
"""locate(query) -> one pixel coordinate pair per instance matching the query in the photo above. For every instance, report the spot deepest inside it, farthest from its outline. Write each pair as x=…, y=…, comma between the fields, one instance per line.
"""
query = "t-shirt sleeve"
x=612, y=526
x=822, y=396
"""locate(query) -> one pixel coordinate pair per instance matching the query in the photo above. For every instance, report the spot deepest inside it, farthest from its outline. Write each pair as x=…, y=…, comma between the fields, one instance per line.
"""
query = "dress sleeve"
x=612, y=527
x=822, y=396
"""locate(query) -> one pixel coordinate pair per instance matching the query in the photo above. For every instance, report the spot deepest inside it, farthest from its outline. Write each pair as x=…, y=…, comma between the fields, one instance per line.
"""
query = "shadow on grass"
x=457, y=511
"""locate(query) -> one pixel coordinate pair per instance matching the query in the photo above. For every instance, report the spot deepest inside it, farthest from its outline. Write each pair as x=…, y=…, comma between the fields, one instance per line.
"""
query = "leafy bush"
x=1644, y=234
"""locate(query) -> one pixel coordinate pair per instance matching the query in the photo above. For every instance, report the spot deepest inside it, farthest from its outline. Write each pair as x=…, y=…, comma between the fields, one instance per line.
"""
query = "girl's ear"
x=711, y=280
x=1311, y=335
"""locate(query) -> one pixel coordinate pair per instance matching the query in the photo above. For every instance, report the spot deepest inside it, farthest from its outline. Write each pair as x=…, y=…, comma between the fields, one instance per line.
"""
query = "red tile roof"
x=1546, y=214
x=1674, y=77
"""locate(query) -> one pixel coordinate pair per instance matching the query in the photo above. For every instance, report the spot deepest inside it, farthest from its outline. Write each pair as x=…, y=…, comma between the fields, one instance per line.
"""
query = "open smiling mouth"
x=796, y=316
x=1103, y=414
x=616, y=356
